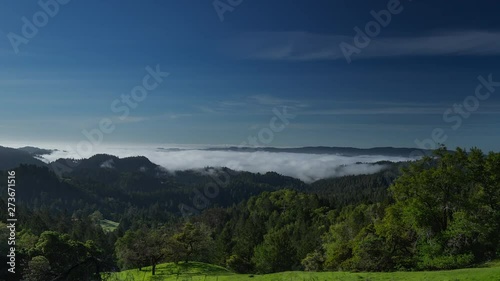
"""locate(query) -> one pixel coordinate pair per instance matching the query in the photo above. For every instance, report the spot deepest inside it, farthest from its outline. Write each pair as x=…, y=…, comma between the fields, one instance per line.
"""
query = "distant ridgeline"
x=343, y=151
x=11, y=158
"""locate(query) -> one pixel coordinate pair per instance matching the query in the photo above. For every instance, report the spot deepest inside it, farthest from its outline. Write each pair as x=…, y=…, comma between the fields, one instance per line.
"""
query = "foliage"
x=445, y=215
x=441, y=212
x=194, y=241
x=57, y=257
x=313, y=261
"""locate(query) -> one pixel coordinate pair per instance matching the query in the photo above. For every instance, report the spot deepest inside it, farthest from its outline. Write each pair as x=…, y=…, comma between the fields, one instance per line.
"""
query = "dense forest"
x=440, y=212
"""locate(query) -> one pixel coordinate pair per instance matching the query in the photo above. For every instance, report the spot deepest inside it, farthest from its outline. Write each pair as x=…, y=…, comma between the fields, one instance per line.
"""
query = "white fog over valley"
x=307, y=167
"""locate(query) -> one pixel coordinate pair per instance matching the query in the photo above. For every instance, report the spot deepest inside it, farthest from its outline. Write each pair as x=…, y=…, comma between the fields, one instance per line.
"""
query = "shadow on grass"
x=191, y=269
x=493, y=263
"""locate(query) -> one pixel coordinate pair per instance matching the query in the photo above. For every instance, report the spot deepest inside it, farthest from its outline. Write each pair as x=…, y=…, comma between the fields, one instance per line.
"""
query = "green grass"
x=205, y=272
x=108, y=226
x=171, y=271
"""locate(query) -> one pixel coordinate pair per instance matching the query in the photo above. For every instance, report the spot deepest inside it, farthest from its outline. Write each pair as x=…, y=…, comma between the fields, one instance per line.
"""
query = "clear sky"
x=226, y=77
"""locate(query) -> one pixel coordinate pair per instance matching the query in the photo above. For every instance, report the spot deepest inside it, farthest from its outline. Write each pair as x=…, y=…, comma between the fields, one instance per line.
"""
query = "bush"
x=446, y=262
x=313, y=261
x=238, y=264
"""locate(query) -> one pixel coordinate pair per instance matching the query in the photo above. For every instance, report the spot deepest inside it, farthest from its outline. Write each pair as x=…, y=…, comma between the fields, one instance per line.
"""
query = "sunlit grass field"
x=205, y=272
x=108, y=226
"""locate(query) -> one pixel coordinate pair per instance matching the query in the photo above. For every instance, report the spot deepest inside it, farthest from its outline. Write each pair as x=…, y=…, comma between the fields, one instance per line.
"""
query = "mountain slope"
x=35, y=151
x=11, y=158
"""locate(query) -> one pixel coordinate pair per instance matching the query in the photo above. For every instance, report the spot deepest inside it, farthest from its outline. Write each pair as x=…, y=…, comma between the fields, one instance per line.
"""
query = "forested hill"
x=11, y=158
x=441, y=212
x=113, y=186
x=136, y=193
x=113, y=191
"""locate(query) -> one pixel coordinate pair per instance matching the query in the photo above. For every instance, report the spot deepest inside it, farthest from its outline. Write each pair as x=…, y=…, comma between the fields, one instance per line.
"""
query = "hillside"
x=128, y=213
x=35, y=151
x=11, y=158
x=206, y=272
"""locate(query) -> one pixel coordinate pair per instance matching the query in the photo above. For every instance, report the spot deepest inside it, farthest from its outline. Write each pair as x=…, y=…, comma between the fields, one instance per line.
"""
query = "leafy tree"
x=38, y=269
x=175, y=250
x=4, y=247
x=446, y=211
x=313, y=261
x=194, y=240
x=129, y=250
x=66, y=259
x=276, y=253
x=154, y=247
x=96, y=217
x=140, y=248
x=351, y=226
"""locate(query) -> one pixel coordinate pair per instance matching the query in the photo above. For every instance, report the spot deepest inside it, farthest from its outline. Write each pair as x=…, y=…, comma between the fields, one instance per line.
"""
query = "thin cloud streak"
x=303, y=46
x=253, y=104
x=139, y=119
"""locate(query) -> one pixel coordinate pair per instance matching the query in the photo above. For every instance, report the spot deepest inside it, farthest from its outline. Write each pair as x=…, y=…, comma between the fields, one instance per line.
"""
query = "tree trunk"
x=154, y=268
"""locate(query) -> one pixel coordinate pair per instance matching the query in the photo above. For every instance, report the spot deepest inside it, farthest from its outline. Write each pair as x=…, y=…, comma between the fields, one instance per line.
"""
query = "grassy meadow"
x=109, y=226
x=205, y=272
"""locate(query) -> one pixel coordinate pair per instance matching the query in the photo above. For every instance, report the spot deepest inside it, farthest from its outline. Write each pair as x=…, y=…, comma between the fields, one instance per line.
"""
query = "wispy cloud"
x=394, y=108
x=261, y=104
x=254, y=104
x=274, y=101
x=130, y=119
x=303, y=46
x=139, y=119
x=375, y=111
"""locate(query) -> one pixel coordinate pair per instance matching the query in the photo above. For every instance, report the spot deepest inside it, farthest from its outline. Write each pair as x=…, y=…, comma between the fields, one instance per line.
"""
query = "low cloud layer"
x=307, y=167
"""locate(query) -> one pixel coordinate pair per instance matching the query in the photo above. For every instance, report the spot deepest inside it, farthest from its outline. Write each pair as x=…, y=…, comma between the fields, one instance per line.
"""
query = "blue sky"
x=226, y=77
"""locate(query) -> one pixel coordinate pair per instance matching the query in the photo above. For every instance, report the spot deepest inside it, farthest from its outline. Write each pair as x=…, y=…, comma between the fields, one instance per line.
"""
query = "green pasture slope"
x=205, y=272
x=108, y=226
